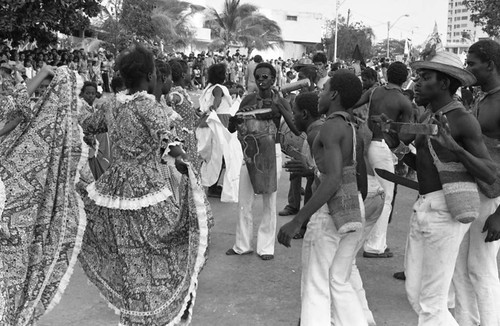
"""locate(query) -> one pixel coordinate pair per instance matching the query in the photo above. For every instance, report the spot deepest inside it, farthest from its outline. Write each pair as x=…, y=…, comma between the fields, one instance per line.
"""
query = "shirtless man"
x=435, y=236
x=477, y=270
x=327, y=256
x=390, y=101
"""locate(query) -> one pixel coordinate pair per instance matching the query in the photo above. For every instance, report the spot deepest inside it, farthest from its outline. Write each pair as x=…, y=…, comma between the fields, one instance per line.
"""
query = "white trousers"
x=477, y=287
x=381, y=157
x=374, y=204
x=244, y=228
x=431, y=253
x=327, y=259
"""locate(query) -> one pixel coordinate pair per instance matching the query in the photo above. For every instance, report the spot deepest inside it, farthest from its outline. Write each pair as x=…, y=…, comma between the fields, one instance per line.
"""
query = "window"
x=291, y=18
x=463, y=25
x=465, y=17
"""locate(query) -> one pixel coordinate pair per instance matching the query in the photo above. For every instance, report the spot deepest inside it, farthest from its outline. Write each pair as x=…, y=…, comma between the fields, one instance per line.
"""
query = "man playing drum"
x=262, y=161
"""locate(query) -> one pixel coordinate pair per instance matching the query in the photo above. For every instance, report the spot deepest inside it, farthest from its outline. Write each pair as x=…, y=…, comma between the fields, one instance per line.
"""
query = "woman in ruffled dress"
x=141, y=249
x=181, y=102
x=42, y=224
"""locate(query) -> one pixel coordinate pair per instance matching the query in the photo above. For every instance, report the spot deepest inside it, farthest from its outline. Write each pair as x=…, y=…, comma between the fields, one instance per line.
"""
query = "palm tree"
x=151, y=21
x=171, y=21
x=242, y=25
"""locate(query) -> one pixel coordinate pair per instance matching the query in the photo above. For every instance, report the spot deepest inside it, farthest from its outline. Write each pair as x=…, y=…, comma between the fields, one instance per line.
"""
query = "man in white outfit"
x=327, y=294
x=476, y=283
x=390, y=101
x=435, y=235
x=266, y=98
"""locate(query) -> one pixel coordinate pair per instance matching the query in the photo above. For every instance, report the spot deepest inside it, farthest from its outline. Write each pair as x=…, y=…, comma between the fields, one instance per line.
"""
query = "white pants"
x=374, y=204
x=381, y=157
x=244, y=228
x=327, y=258
x=431, y=253
x=477, y=287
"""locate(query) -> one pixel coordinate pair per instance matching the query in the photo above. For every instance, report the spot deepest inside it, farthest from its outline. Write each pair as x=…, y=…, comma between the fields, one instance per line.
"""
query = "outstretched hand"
x=288, y=231
x=492, y=226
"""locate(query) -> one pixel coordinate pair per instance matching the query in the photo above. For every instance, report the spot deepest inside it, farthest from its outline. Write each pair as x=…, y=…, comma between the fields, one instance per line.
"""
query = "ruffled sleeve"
x=156, y=120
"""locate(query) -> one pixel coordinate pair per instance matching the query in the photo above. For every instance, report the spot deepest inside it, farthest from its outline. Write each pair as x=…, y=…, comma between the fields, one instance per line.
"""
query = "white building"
x=298, y=30
x=461, y=31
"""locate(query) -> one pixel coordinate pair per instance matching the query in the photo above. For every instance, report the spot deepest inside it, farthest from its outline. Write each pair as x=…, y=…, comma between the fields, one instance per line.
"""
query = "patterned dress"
x=141, y=249
x=42, y=225
x=181, y=102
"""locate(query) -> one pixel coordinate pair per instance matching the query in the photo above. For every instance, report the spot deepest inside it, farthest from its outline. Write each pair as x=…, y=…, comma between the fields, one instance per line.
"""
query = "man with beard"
x=265, y=98
x=435, y=235
x=477, y=287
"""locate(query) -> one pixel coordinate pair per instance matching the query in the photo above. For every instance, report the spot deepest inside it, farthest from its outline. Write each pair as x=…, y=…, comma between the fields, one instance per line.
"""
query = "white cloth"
x=207, y=99
x=214, y=144
x=244, y=228
x=380, y=156
x=477, y=287
x=431, y=254
x=374, y=203
x=327, y=258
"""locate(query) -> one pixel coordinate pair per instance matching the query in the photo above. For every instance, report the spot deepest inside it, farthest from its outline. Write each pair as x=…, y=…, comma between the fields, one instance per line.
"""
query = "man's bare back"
x=390, y=101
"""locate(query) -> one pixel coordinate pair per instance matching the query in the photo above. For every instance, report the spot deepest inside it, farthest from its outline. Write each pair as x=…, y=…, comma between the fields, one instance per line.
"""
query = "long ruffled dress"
x=141, y=249
x=181, y=102
x=43, y=220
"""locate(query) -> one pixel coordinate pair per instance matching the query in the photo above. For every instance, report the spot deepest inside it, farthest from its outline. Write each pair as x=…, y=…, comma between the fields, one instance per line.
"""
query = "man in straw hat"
x=476, y=282
x=435, y=235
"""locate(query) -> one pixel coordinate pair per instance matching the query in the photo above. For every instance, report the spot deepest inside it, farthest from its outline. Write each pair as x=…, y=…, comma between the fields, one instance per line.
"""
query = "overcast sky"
x=374, y=13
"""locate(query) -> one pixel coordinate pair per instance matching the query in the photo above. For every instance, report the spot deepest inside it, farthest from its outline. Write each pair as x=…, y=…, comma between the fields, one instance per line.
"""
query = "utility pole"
x=348, y=16
x=336, y=30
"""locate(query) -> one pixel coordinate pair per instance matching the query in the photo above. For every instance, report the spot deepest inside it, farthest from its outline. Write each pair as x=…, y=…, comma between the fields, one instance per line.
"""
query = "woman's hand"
x=181, y=164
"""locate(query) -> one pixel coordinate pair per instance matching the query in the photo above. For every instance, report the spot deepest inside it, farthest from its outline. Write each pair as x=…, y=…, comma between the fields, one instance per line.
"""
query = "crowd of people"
x=109, y=161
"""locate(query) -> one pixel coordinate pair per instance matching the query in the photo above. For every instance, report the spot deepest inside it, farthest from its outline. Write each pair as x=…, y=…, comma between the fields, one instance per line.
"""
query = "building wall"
x=459, y=22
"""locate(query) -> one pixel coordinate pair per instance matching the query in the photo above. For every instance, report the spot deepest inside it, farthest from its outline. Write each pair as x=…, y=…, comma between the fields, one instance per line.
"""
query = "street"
x=246, y=291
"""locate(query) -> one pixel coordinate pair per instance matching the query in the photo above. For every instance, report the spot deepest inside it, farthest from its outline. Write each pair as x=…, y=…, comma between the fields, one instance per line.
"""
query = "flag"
x=356, y=55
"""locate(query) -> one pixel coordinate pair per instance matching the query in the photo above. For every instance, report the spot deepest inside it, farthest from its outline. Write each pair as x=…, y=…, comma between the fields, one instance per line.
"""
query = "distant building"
x=299, y=30
x=461, y=31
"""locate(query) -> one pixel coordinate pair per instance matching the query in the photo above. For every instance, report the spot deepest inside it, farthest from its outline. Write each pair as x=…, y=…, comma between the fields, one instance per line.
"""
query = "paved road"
x=247, y=291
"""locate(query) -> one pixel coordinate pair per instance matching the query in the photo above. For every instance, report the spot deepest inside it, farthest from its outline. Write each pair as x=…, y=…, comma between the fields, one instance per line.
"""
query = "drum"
x=258, y=138
x=291, y=144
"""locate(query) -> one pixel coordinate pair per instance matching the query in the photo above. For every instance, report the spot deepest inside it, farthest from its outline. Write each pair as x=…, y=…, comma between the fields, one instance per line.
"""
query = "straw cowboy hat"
x=449, y=64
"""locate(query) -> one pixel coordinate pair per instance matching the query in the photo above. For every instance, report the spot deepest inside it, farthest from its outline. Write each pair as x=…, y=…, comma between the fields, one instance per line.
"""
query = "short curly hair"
x=369, y=73
x=487, y=50
x=319, y=57
x=397, y=73
x=308, y=101
x=348, y=85
x=217, y=73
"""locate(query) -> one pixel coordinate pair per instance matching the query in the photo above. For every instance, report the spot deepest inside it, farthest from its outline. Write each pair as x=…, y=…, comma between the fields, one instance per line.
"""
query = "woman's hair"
x=217, y=73
x=117, y=84
x=177, y=70
x=135, y=64
x=162, y=68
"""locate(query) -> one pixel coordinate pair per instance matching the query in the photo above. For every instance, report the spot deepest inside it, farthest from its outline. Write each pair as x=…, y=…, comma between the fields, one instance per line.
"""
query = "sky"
x=374, y=13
